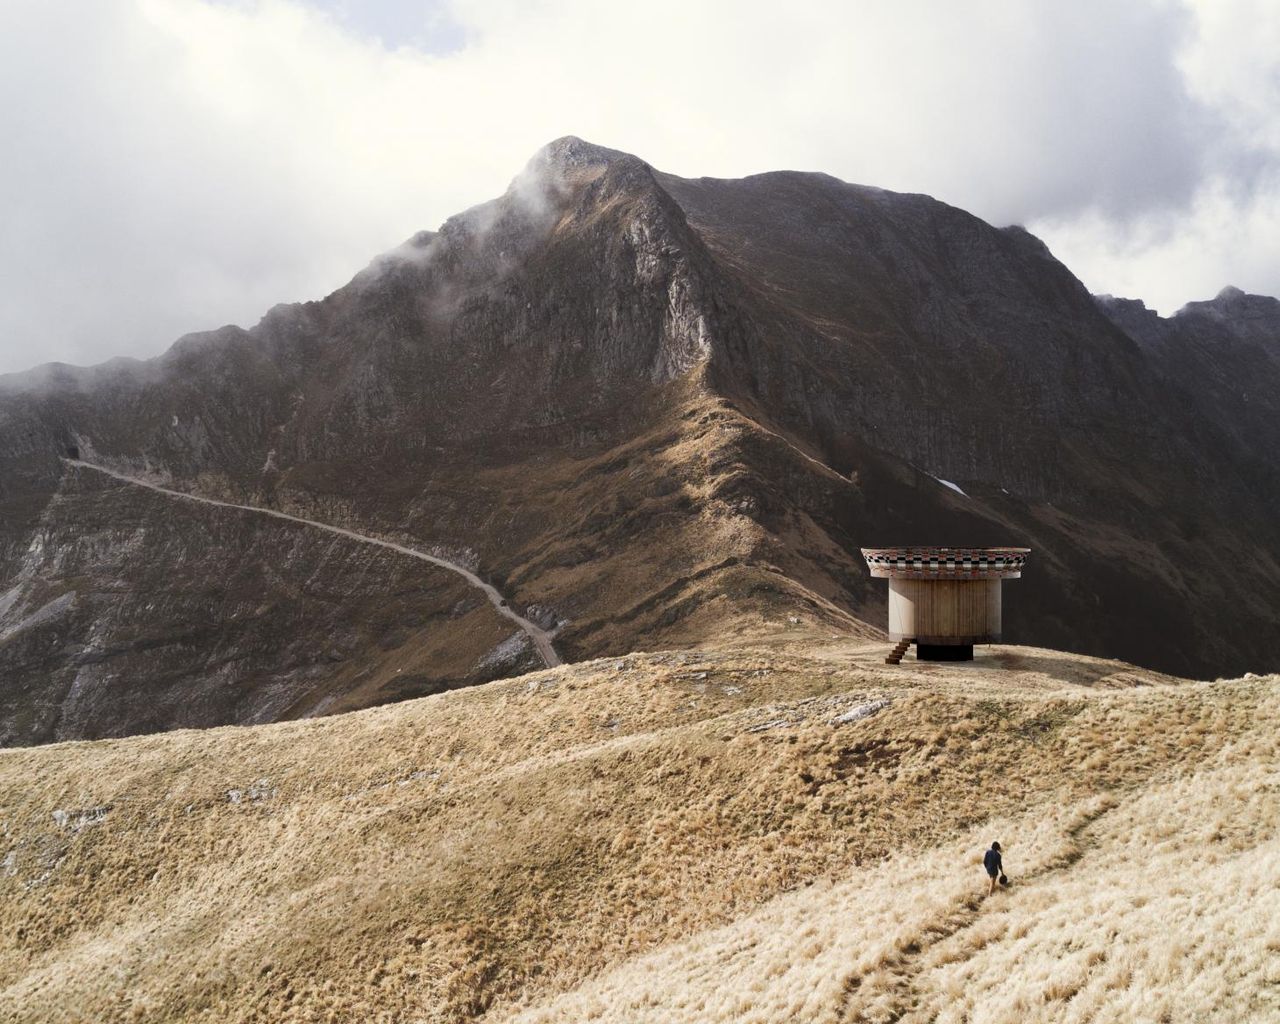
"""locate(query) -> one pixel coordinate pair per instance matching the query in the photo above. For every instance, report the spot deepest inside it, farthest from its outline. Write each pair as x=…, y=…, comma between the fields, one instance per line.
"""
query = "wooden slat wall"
x=942, y=611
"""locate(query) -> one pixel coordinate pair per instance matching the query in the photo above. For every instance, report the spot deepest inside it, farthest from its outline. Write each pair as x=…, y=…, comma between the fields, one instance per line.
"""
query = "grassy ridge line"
x=490, y=851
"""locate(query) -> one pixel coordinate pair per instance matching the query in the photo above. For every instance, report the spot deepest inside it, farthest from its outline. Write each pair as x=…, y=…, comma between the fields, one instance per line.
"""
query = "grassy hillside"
x=785, y=832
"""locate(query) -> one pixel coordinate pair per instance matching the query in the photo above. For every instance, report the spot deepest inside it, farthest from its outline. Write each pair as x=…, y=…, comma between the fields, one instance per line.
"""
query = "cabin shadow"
x=1065, y=668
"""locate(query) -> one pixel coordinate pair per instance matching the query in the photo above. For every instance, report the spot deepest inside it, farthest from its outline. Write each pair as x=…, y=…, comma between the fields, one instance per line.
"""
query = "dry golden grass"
x=668, y=837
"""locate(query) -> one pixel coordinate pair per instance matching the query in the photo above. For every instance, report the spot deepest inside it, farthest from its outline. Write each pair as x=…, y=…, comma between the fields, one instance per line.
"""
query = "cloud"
x=1227, y=230
x=1225, y=236
x=173, y=165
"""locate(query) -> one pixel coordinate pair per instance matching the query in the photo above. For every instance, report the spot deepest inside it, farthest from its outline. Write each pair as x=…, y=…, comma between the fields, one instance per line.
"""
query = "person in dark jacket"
x=991, y=861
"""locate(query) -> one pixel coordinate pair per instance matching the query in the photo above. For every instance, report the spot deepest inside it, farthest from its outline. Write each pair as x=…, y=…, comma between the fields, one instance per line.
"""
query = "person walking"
x=995, y=867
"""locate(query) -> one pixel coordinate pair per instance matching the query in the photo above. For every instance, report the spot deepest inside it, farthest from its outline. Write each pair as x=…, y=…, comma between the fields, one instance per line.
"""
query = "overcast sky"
x=174, y=165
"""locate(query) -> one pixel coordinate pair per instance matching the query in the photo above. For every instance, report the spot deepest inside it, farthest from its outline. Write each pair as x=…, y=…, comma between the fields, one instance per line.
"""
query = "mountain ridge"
x=663, y=410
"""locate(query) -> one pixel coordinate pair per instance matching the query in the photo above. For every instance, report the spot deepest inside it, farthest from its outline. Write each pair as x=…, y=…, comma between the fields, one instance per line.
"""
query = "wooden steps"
x=895, y=656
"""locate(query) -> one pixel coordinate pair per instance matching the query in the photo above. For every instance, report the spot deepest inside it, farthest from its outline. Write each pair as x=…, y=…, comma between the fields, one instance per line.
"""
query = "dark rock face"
x=653, y=410
x=1222, y=359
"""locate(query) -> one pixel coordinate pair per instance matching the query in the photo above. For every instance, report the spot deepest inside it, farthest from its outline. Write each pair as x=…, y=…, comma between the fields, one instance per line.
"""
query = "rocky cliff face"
x=1222, y=358
x=651, y=410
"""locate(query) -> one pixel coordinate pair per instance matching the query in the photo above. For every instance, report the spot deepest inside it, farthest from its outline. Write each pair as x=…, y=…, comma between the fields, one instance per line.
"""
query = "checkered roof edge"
x=921, y=562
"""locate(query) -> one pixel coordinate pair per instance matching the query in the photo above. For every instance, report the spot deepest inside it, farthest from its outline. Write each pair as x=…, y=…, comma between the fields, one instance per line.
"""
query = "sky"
x=175, y=165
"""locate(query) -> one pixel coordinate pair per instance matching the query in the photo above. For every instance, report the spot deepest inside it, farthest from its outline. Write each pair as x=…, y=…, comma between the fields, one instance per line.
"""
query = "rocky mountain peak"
x=549, y=184
x=1255, y=318
x=564, y=165
x=1119, y=302
x=571, y=153
x=1144, y=325
x=1233, y=303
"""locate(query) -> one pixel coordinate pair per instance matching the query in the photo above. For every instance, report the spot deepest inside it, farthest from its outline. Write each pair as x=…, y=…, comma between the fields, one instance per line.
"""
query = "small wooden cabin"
x=944, y=600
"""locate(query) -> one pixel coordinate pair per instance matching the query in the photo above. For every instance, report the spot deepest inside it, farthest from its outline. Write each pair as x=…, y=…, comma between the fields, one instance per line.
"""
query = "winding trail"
x=541, y=638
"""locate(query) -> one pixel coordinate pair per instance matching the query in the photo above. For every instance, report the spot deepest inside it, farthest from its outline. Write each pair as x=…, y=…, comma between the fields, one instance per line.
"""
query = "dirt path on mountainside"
x=541, y=638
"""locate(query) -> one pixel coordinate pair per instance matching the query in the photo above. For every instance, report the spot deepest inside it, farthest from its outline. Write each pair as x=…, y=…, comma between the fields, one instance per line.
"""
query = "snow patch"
x=948, y=483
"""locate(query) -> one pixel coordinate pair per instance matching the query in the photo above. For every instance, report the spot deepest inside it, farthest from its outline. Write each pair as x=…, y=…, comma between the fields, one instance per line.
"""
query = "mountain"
x=1222, y=357
x=651, y=412
x=736, y=833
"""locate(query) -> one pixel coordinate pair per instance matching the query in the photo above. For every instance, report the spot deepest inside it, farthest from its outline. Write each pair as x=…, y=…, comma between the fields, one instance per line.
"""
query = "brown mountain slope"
x=651, y=411
x=871, y=324
x=775, y=831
